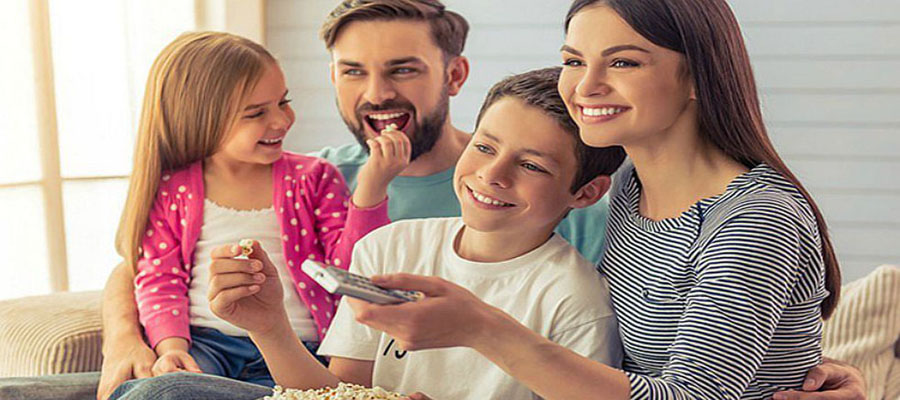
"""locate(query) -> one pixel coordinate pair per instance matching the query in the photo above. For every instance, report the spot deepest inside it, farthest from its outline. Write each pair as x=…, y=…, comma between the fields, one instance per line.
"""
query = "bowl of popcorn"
x=344, y=391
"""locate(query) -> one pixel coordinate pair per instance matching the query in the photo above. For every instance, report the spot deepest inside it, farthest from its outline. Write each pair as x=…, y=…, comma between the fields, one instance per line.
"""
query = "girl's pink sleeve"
x=339, y=223
x=161, y=283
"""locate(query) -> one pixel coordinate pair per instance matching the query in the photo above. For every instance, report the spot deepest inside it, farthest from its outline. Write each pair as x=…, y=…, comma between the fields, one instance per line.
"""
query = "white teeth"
x=271, y=141
x=601, y=111
x=382, y=117
x=487, y=200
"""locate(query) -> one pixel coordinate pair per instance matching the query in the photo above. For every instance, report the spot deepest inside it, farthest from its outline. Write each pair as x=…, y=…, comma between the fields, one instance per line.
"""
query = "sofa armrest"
x=51, y=334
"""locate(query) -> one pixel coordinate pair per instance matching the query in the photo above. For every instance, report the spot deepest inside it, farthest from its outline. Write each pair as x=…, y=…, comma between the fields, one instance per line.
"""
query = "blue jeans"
x=79, y=386
x=189, y=385
x=229, y=356
x=220, y=357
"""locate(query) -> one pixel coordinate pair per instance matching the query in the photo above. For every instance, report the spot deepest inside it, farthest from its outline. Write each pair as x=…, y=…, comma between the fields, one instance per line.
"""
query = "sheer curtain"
x=71, y=83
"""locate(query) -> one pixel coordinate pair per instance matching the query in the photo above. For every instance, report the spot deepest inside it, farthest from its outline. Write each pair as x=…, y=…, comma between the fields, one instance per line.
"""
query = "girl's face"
x=263, y=120
x=620, y=88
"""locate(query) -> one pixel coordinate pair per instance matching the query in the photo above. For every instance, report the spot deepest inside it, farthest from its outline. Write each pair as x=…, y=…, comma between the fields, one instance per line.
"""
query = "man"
x=379, y=80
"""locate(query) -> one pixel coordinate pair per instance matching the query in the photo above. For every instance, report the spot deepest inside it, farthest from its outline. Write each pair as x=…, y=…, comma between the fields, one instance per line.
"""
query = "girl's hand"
x=245, y=292
x=175, y=361
x=174, y=357
x=448, y=315
x=389, y=155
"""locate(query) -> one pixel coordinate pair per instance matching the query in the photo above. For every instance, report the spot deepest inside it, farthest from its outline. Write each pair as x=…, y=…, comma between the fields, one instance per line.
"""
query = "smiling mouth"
x=271, y=142
x=603, y=113
x=482, y=198
x=379, y=121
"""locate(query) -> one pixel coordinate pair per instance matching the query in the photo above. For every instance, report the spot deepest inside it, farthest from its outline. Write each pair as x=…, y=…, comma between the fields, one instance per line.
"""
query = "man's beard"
x=427, y=131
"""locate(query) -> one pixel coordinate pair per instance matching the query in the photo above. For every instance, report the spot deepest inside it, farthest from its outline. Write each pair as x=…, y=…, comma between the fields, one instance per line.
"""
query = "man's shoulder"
x=345, y=155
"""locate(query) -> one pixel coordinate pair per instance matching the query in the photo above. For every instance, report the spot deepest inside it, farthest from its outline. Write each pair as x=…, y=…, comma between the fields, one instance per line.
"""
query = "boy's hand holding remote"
x=246, y=292
x=389, y=154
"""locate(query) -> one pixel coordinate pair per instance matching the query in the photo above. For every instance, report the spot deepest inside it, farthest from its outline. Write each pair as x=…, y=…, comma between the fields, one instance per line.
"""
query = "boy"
x=523, y=170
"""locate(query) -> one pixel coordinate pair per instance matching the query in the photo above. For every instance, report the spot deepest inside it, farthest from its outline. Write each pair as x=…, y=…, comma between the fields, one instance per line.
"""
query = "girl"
x=209, y=170
x=719, y=262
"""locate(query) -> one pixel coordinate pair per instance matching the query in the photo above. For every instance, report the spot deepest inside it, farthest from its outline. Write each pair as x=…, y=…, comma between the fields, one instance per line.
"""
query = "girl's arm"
x=388, y=156
x=292, y=365
x=161, y=282
x=340, y=221
x=248, y=294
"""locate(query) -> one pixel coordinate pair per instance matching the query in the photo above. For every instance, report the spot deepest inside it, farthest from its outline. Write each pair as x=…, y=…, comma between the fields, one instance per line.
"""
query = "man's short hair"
x=448, y=29
x=537, y=88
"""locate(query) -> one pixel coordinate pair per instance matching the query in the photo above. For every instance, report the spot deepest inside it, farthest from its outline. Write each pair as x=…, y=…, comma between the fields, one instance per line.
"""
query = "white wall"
x=828, y=73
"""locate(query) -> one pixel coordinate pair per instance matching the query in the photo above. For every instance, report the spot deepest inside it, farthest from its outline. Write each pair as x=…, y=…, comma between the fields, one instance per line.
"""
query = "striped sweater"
x=721, y=302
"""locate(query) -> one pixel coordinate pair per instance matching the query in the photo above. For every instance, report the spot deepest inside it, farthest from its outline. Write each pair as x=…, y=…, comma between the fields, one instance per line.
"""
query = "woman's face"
x=620, y=88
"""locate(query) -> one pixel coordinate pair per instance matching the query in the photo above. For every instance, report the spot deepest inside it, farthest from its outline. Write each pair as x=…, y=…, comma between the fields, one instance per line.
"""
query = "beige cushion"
x=50, y=334
x=864, y=330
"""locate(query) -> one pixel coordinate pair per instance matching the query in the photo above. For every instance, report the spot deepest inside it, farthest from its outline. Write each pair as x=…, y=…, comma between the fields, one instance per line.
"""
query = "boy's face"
x=516, y=172
x=391, y=72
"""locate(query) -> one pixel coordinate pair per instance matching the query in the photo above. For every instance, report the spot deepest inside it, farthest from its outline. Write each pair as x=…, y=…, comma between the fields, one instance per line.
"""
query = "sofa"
x=60, y=333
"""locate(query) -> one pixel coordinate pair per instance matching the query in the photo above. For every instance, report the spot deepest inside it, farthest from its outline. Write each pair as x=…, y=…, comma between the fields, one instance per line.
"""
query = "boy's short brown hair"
x=448, y=29
x=537, y=88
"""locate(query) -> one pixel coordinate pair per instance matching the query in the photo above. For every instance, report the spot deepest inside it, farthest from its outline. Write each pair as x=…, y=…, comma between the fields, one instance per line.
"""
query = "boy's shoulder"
x=415, y=232
x=575, y=286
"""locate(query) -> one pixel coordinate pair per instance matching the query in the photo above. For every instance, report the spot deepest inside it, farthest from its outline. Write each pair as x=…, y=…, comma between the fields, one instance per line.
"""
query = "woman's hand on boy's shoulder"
x=833, y=380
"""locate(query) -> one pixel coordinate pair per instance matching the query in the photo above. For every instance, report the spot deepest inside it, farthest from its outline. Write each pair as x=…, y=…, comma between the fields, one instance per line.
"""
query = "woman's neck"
x=679, y=168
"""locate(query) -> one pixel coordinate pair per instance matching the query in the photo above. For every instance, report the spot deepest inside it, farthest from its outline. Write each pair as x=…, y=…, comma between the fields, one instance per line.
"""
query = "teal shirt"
x=433, y=196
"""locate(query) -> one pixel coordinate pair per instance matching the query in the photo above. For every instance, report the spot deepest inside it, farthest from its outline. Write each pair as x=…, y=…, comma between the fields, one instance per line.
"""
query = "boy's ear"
x=591, y=192
x=457, y=73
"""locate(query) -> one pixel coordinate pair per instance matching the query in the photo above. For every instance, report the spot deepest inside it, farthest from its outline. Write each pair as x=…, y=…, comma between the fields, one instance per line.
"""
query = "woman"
x=719, y=261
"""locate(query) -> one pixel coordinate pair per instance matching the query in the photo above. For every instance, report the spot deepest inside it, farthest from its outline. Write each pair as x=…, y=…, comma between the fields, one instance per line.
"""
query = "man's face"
x=391, y=72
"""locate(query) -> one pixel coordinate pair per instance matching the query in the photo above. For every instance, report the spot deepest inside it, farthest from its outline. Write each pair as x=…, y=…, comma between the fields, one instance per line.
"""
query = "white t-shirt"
x=552, y=290
x=222, y=226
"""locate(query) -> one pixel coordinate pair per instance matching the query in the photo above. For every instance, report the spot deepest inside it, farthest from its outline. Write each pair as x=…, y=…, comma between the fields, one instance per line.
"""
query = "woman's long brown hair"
x=708, y=35
x=191, y=100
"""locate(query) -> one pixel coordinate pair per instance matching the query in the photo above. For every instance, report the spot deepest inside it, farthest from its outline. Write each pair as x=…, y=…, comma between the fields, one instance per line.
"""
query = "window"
x=71, y=85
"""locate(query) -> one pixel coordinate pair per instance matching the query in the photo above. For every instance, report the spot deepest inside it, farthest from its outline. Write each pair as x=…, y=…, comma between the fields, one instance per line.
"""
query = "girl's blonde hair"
x=193, y=95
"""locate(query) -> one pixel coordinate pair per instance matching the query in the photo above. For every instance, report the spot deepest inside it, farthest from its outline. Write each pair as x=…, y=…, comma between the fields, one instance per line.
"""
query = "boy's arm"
x=125, y=354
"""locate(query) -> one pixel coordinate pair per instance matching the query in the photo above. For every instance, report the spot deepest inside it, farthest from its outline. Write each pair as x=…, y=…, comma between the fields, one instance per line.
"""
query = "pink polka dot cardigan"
x=317, y=222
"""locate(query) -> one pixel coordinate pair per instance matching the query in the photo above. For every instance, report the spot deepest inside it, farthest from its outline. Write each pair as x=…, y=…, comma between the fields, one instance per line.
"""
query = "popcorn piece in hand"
x=344, y=391
x=246, y=247
x=391, y=127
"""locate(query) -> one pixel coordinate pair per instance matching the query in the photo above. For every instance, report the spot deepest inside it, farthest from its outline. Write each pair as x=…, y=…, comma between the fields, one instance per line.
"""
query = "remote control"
x=337, y=281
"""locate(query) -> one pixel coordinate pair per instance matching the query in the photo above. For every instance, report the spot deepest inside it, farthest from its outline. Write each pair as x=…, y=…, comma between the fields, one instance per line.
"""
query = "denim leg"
x=80, y=386
x=219, y=354
x=188, y=385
